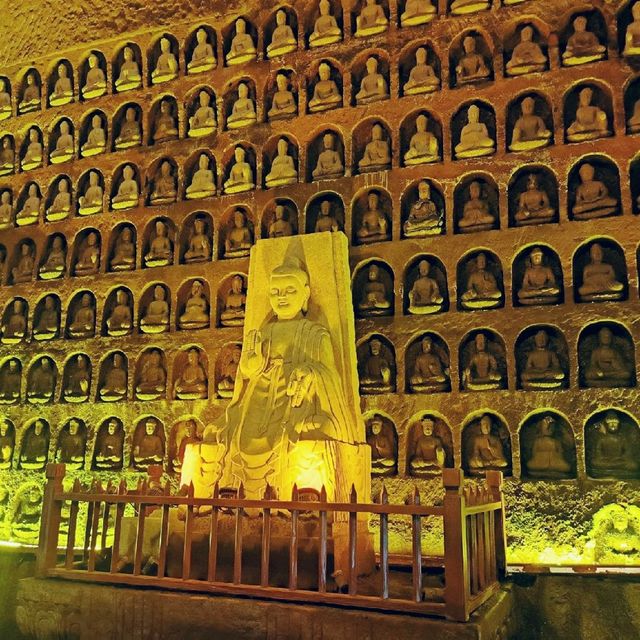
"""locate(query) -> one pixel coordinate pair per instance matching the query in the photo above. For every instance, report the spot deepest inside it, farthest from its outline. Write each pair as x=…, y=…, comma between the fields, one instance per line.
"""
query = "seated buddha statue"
x=472, y=66
x=632, y=35
x=539, y=282
x=77, y=380
x=374, y=225
x=47, y=324
x=96, y=139
x=527, y=56
x=108, y=454
x=533, y=204
x=196, y=309
x=5, y=100
x=422, y=77
x=374, y=300
x=481, y=372
x=283, y=40
x=199, y=248
x=613, y=453
x=166, y=65
x=72, y=445
x=165, y=126
x=373, y=86
x=91, y=201
x=203, y=57
x=591, y=122
x=429, y=453
x=242, y=48
x=599, y=281
x=326, y=220
x=377, y=152
x=425, y=219
x=583, y=46
x=243, y=112
x=542, y=369
x=160, y=251
x=191, y=384
x=281, y=226
x=120, y=320
x=476, y=213
x=31, y=100
x=234, y=305
x=127, y=195
x=383, y=454
x=283, y=169
x=6, y=210
x=326, y=94
x=608, y=366
x=474, y=137
x=88, y=260
x=203, y=183
x=130, y=131
x=156, y=316
x=35, y=448
x=486, y=451
x=62, y=89
x=114, y=386
x=329, y=163
x=83, y=320
x=42, y=382
x=64, y=145
x=425, y=296
x=529, y=131
x=240, y=174
x=96, y=82
x=164, y=186
x=149, y=448
x=429, y=374
x=10, y=380
x=423, y=146
x=54, y=266
x=129, y=76
x=152, y=382
x=239, y=239
x=228, y=372
x=371, y=20
x=33, y=155
x=376, y=372
x=61, y=206
x=14, y=323
x=325, y=29
x=462, y=7
x=283, y=103
x=633, y=124
x=124, y=252
x=7, y=157
x=417, y=12
x=23, y=271
x=203, y=121
x=592, y=196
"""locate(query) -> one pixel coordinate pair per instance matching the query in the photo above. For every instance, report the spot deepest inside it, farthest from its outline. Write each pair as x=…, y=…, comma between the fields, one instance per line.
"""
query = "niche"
x=542, y=359
x=372, y=216
x=196, y=238
x=537, y=277
x=480, y=283
x=72, y=444
x=280, y=219
x=533, y=196
x=594, y=189
x=486, y=445
x=376, y=365
x=382, y=437
x=373, y=289
x=476, y=207
x=147, y=444
x=112, y=379
x=76, y=379
x=109, y=445
x=193, y=305
x=600, y=272
x=151, y=375
x=325, y=212
x=429, y=446
x=117, y=316
x=427, y=365
x=425, y=286
x=483, y=362
x=34, y=452
x=190, y=379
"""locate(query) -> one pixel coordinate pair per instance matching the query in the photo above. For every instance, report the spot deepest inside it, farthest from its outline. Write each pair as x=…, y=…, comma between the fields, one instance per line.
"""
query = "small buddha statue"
x=462, y=7
x=23, y=271
x=472, y=66
x=475, y=141
x=127, y=194
x=7, y=157
x=376, y=372
x=96, y=81
x=527, y=55
x=613, y=453
x=234, y=305
x=130, y=131
x=539, y=283
x=203, y=121
x=423, y=146
x=35, y=447
x=383, y=454
x=243, y=112
x=7, y=445
x=186, y=433
x=429, y=452
x=166, y=127
x=326, y=221
x=6, y=210
x=91, y=201
x=61, y=206
x=239, y=239
x=153, y=378
x=283, y=40
x=481, y=372
x=422, y=77
x=373, y=86
x=71, y=446
x=14, y=323
x=156, y=315
x=592, y=196
x=329, y=163
x=591, y=122
x=196, y=309
x=607, y=365
x=583, y=46
x=160, y=251
x=375, y=299
x=108, y=453
x=88, y=260
x=33, y=155
x=425, y=296
x=10, y=379
x=96, y=139
x=283, y=103
x=533, y=204
x=429, y=374
x=326, y=94
x=167, y=64
x=192, y=381
x=281, y=226
x=425, y=219
x=120, y=320
x=242, y=46
x=31, y=100
x=486, y=451
x=114, y=386
x=240, y=175
x=54, y=266
x=547, y=458
x=64, y=145
x=129, y=77
x=417, y=12
x=203, y=181
x=377, y=153
x=42, y=382
x=374, y=224
x=84, y=319
x=228, y=372
x=371, y=20
x=46, y=326
x=633, y=124
x=25, y=522
x=164, y=186
x=203, y=57
x=476, y=213
x=149, y=447
x=78, y=380
x=62, y=89
x=542, y=369
x=325, y=29
x=632, y=35
x=124, y=252
x=199, y=249
x=5, y=100
x=599, y=281
x=529, y=131
x=283, y=169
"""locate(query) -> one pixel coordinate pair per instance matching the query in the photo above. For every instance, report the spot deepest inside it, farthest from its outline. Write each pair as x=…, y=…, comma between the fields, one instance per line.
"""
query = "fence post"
x=456, y=563
x=494, y=482
x=50, y=523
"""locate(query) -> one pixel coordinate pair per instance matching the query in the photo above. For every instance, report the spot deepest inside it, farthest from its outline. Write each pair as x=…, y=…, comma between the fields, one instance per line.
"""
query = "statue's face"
x=25, y=249
x=128, y=54
x=325, y=208
x=199, y=226
x=239, y=154
x=117, y=360
x=421, y=123
x=473, y=114
x=81, y=363
x=376, y=427
x=527, y=34
x=375, y=347
x=158, y=293
x=3, y=429
x=196, y=288
x=427, y=426
x=327, y=141
x=324, y=71
x=160, y=229
x=243, y=90
x=45, y=364
x=63, y=186
x=73, y=427
x=527, y=106
x=86, y=300
x=154, y=357
x=469, y=45
x=93, y=178
x=372, y=201
x=474, y=190
x=34, y=496
x=130, y=114
x=126, y=235
x=204, y=99
x=282, y=147
x=421, y=55
x=164, y=45
x=596, y=253
x=585, y=97
x=423, y=268
x=64, y=127
x=548, y=425
x=241, y=26
x=541, y=339
x=17, y=306
x=372, y=65
x=238, y=219
x=91, y=239
x=281, y=18
x=580, y=24
x=373, y=273
x=485, y=425
x=37, y=428
x=165, y=169
x=427, y=345
x=287, y=296
x=93, y=61
x=536, y=258
x=30, y=80
x=481, y=342
x=33, y=135
x=127, y=173
x=281, y=81
x=62, y=71
x=48, y=303
x=203, y=162
x=112, y=427
x=13, y=366
x=532, y=183
x=481, y=261
x=57, y=243
x=236, y=355
x=613, y=423
x=279, y=212
x=236, y=284
x=376, y=133
x=201, y=36
x=149, y=427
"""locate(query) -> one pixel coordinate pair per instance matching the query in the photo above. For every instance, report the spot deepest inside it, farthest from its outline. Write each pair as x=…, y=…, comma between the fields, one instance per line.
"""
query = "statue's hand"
x=315, y=422
x=299, y=385
x=252, y=356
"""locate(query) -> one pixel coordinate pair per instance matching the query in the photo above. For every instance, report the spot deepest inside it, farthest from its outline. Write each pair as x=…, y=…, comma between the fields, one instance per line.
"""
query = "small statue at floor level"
x=196, y=309
x=281, y=227
x=114, y=386
x=199, y=249
x=164, y=190
x=192, y=382
x=326, y=94
x=61, y=206
x=203, y=57
x=591, y=122
x=25, y=521
x=417, y=12
x=481, y=372
x=47, y=324
x=149, y=447
x=632, y=35
x=91, y=201
x=161, y=248
x=243, y=112
x=7, y=157
x=326, y=29
x=615, y=536
x=527, y=55
x=5, y=100
x=55, y=263
x=78, y=380
x=64, y=145
x=592, y=196
x=156, y=316
x=375, y=298
x=14, y=325
x=120, y=321
x=474, y=137
x=476, y=213
x=542, y=369
x=376, y=372
x=35, y=447
x=188, y=434
x=71, y=447
x=429, y=374
x=283, y=104
x=423, y=146
x=7, y=445
x=326, y=221
x=461, y=7
x=83, y=323
x=612, y=452
x=242, y=47
x=472, y=66
x=234, y=305
x=608, y=363
x=96, y=81
x=166, y=127
x=62, y=89
x=228, y=372
x=533, y=204
x=31, y=100
x=203, y=121
x=96, y=139
x=547, y=458
x=529, y=131
x=377, y=153
x=23, y=271
x=371, y=20
x=10, y=380
x=108, y=455
x=153, y=378
x=429, y=453
x=6, y=210
x=283, y=169
x=383, y=454
x=88, y=260
x=167, y=65
x=486, y=450
x=203, y=181
x=239, y=238
x=374, y=225
x=130, y=131
x=127, y=194
x=424, y=217
x=129, y=77
x=240, y=175
x=539, y=283
x=373, y=87
x=599, y=278
x=42, y=381
x=283, y=39
x=425, y=296
x=329, y=163
x=422, y=77
x=583, y=46
x=33, y=154
x=124, y=252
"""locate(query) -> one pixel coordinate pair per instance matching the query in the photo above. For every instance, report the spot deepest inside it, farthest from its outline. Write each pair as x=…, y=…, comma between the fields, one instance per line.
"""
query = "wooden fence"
x=472, y=523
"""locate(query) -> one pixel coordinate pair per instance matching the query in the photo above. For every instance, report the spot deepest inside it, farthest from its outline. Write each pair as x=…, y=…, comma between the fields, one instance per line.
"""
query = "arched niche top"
x=537, y=277
x=427, y=363
x=382, y=437
x=325, y=212
x=542, y=359
x=584, y=38
x=471, y=59
x=376, y=365
x=533, y=196
x=476, y=204
x=526, y=48
x=482, y=361
x=420, y=69
x=480, y=281
x=594, y=189
x=429, y=445
x=371, y=215
x=373, y=289
x=486, y=444
x=425, y=286
x=600, y=272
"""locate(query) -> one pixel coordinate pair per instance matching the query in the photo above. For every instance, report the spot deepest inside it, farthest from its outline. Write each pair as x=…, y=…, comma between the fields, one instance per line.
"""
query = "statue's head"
x=421, y=55
x=204, y=98
x=31, y=79
x=480, y=342
x=4, y=427
x=526, y=35
x=49, y=302
x=283, y=147
x=81, y=362
x=421, y=123
x=150, y=427
x=93, y=61
x=427, y=425
x=165, y=45
x=57, y=242
x=196, y=288
x=612, y=421
x=536, y=256
x=596, y=253
x=376, y=132
x=165, y=168
x=375, y=346
x=160, y=228
x=62, y=71
x=203, y=161
x=280, y=212
x=541, y=339
x=154, y=357
x=74, y=427
x=481, y=262
x=528, y=106
x=64, y=127
x=423, y=268
x=473, y=114
x=281, y=17
x=585, y=96
x=427, y=344
x=241, y=26
x=13, y=366
x=112, y=427
x=243, y=90
x=372, y=64
x=485, y=425
x=532, y=182
x=6, y=142
x=238, y=218
x=18, y=306
x=605, y=336
x=620, y=520
x=289, y=289
x=201, y=36
x=580, y=24
x=373, y=272
x=192, y=356
x=282, y=81
x=117, y=360
x=372, y=200
x=325, y=207
x=635, y=11
x=126, y=234
x=96, y=122
x=376, y=425
x=45, y=364
x=239, y=154
x=85, y=301
x=198, y=225
x=33, y=135
x=38, y=427
x=130, y=114
x=93, y=178
x=547, y=425
x=158, y=292
x=324, y=71
x=92, y=238
x=475, y=190
x=469, y=44
x=324, y=7
x=128, y=54
x=25, y=250
x=127, y=172
x=327, y=141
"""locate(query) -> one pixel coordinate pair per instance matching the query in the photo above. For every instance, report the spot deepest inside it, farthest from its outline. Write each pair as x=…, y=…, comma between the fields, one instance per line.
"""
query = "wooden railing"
x=472, y=521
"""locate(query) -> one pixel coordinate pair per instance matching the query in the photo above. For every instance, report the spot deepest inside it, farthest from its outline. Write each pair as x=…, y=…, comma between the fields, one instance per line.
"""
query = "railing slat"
x=188, y=535
x=213, y=538
x=265, y=550
x=293, y=544
x=71, y=535
x=237, y=549
x=353, y=545
x=95, y=523
x=163, y=542
x=416, y=541
x=480, y=558
x=384, y=544
x=322, y=551
x=117, y=531
x=139, y=548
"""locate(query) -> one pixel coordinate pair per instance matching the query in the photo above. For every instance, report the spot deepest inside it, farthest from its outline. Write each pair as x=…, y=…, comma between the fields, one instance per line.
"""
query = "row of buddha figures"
x=548, y=448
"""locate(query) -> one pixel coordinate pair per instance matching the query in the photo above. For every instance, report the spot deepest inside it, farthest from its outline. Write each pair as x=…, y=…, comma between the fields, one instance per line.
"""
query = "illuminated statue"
x=376, y=372
x=608, y=363
x=229, y=372
x=196, y=308
x=108, y=454
x=283, y=40
x=281, y=225
x=461, y=7
x=542, y=369
x=31, y=100
x=156, y=315
x=62, y=89
x=25, y=520
x=96, y=139
x=486, y=450
x=243, y=112
x=476, y=213
x=527, y=55
x=529, y=131
x=474, y=137
x=166, y=65
x=326, y=94
x=423, y=146
x=533, y=204
x=78, y=380
x=91, y=201
x=239, y=238
x=283, y=104
x=425, y=218
x=56, y=261
x=234, y=305
x=592, y=196
x=330, y=164
x=326, y=221
x=373, y=86
x=471, y=66
x=422, y=77
x=160, y=251
x=120, y=321
x=114, y=386
x=129, y=77
x=326, y=29
x=88, y=260
x=612, y=452
x=383, y=454
x=539, y=282
x=128, y=193
x=417, y=12
x=583, y=46
x=425, y=296
x=203, y=183
x=42, y=381
x=130, y=131
x=151, y=384
x=192, y=382
x=71, y=445
x=429, y=374
x=632, y=36
x=166, y=127
x=5, y=100
x=429, y=454
x=203, y=121
x=47, y=324
x=242, y=47
x=377, y=153
x=203, y=57
x=7, y=445
x=83, y=321
x=23, y=271
x=148, y=449
x=186, y=433
x=599, y=278
x=481, y=371
x=374, y=224
x=14, y=324
x=33, y=155
x=547, y=458
x=371, y=20
x=10, y=381
x=164, y=185
x=199, y=249
x=7, y=157
x=591, y=122
x=64, y=145
x=375, y=298
x=6, y=210
x=615, y=536
x=283, y=169
x=35, y=447
x=96, y=81
x=124, y=251
x=241, y=174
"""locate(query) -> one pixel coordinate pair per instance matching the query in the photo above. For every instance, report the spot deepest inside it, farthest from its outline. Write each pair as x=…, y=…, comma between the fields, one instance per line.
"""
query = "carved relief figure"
x=599, y=280
x=123, y=257
x=7, y=444
x=42, y=381
x=91, y=201
x=384, y=456
x=72, y=444
x=377, y=152
x=283, y=169
x=161, y=248
x=326, y=94
x=96, y=81
x=330, y=164
x=476, y=213
x=23, y=271
x=114, y=385
x=156, y=315
x=632, y=35
x=534, y=206
x=191, y=384
x=54, y=266
x=232, y=314
x=243, y=112
x=375, y=299
x=240, y=174
x=430, y=371
x=166, y=65
x=203, y=57
x=228, y=372
x=373, y=86
x=485, y=448
x=527, y=56
x=606, y=360
x=199, y=248
x=326, y=220
x=242, y=47
x=32, y=158
x=325, y=29
x=425, y=217
x=583, y=46
x=203, y=183
x=120, y=320
x=482, y=289
x=10, y=381
x=472, y=66
x=127, y=194
x=283, y=103
x=423, y=146
x=148, y=445
x=377, y=368
x=429, y=453
x=61, y=206
x=129, y=76
x=425, y=296
x=14, y=322
x=283, y=39
x=475, y=140
x=35, y=446
x=592, y=197
x=373, y=224
x=96, y=142
x=165, y=126
x=77, y=380
x=591, y=121
x=422, y=77
x=529, y=131
x=371, y=19
x=542, y=367
x=196, y=309
x=546, y=453
x=88, y=260
x=47, y=324
x=108, y=454
x=152, y=380
x=239, y=238
x=64, y=148
x=612, y=447
x=130, y=131
x=539, y=282
x=82, y=323
x=417, y=12
x=483, y=365
x=31, y=100
x=203, y=121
